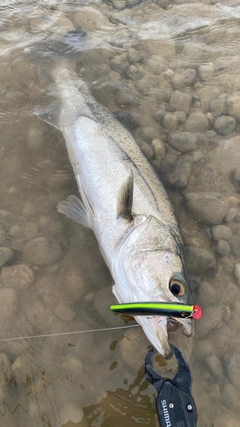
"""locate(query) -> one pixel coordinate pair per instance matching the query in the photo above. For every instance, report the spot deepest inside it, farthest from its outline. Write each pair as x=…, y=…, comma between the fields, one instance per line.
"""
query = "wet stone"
x=42, y=251
x=223, y=248
x=72, y=412
x=199, y=260
x=63, y=312
x=231, y=214
x=158, y=149
x=206, y=72
x=207, y=207
x=196, y=122
x=17, y=276
x=203, y=348
x=221, y=232
x=215, y=366
x=156, y=64
x=183, y=142
x=181, y=116
x=217, y=105
x=211, y=319
x=230, y=398
x=8, y=303
x=183, y=78
x=231, y=363
x=206, y=294
x=6, y=218
x=133, y=345
x=225, y=125
x=120, y=63
x=237, y=272
x=180, y=101
x=102, y=301
x=170, y=122
x=119, y=4
x=235, y=246
x=89, y=19
x=2, y=235
x=6, y=254
x=181, y=175
x=233, y=105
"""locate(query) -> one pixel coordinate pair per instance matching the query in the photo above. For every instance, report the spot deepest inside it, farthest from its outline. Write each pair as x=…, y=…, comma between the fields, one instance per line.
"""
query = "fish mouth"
x=182, y=325
x=157, y=328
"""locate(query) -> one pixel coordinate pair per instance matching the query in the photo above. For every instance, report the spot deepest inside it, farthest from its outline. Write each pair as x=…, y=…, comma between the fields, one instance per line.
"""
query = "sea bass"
x=124, y=203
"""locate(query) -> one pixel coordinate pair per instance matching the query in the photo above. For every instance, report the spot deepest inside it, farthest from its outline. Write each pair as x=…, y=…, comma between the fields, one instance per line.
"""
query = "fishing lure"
x=158, y=309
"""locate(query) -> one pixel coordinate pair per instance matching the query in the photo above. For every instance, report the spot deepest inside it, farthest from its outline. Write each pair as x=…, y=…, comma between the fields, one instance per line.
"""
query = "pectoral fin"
x=73, y=208
x=125, y=200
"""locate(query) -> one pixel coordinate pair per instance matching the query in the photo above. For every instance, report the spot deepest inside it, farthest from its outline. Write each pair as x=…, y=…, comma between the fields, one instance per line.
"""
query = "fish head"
x=150, y=267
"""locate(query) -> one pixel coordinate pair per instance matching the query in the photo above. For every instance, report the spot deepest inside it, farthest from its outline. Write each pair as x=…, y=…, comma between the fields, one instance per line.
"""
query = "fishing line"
x=68, y=333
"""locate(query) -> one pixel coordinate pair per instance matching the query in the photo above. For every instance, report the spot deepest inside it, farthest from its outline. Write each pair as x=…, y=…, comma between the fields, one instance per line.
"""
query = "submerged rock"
x=6, y=254
x=199, y=260
x=221, y=232
x=207, y=207
x=225, y=125
x=183, y=141
x=42, y=251
x=212, y=317
x=17, y=276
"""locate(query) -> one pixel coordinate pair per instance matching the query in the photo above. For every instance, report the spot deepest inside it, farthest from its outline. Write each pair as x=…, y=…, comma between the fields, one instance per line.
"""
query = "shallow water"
x=174, y=68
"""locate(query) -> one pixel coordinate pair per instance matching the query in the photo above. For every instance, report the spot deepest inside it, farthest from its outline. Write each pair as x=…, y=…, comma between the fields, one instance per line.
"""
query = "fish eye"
x=176, y=287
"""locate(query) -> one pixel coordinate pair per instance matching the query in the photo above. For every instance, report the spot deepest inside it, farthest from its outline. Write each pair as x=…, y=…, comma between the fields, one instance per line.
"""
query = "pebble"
x=217, y=105
x=89, y=19
x=235, y=246
x=223, y=248
x=180, y=101
x=8, y=303
x=119, y=63
x=207, y=207
x=156, y=64
x=5, y=370
x=17, y=276
x=199, y=260
x=206, y=294
x=215, y=366
x=63, y=312
x=2, y=236
x=181, y=116
x=206, y=72
x=233, y=105
x=42, y=251
x=212, y=316
x=203, y=348
x=237, y=272
x=225, y=125
x=231, y=362
x=196, y=122
x=231, y=214
x=183, y=78
x=30, y=230
x=71, y=412
x=183, y=141
x=230, y=398
x=134, y=55
x=119, y=4
x=158, y=149
x=6, y=254
x=181, y=175
x=221, y=232
x=170, y=122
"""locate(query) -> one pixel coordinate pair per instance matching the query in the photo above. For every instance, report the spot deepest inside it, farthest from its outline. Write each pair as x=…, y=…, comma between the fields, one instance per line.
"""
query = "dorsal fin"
x=125, y=200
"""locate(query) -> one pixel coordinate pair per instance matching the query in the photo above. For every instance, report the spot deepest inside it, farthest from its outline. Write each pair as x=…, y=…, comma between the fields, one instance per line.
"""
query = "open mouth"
x=179, y=326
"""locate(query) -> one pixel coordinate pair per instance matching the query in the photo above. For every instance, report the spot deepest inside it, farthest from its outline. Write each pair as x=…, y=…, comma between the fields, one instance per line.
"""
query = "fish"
x=124, y=203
